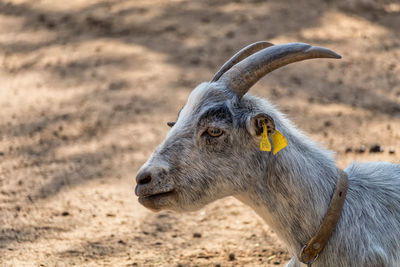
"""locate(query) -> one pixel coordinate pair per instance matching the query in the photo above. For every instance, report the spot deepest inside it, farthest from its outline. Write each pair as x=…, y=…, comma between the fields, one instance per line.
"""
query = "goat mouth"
x=157, y=195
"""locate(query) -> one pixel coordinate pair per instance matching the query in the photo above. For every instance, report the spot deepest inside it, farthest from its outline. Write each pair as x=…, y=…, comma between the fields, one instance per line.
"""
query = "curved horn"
x=239, y=56
x=240, y=77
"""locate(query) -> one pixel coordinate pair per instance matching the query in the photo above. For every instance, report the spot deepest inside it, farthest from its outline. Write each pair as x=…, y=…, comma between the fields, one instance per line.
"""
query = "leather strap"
x=312, y=248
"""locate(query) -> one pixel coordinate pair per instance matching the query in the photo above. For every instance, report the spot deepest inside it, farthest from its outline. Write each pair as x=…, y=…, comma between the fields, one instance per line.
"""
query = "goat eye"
x=171, y=123
x=214, y=132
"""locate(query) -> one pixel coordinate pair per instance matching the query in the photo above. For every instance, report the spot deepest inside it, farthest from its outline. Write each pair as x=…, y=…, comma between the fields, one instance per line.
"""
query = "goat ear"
x=255, y=124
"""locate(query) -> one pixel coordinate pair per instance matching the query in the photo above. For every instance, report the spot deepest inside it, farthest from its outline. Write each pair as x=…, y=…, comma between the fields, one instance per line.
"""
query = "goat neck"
x=293, y=191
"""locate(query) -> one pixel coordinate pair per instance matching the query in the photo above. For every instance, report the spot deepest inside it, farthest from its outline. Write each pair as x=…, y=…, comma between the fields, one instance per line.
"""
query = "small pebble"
x=195, y=61
x=361, y=149
x=65, y=213
x=348, y=149
x=376, y=148
x=231, y=256
x=391, y=150
x=230, y=34
x=196, y=235
x=205, y=20
x=217, y=265
x=170, y=28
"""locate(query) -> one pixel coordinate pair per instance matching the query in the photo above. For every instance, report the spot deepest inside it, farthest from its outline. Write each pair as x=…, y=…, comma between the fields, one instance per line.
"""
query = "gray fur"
x=290, y=190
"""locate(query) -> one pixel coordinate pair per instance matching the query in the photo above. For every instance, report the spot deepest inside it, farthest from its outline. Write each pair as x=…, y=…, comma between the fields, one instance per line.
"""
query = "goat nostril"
x=144, y=179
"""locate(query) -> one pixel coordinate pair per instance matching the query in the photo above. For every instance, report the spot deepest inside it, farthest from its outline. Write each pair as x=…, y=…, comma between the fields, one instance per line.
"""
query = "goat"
x=212, y=151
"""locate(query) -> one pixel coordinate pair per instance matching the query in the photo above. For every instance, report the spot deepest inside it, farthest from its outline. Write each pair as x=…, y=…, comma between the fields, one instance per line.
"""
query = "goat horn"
x=240, y=77
x=239, y=56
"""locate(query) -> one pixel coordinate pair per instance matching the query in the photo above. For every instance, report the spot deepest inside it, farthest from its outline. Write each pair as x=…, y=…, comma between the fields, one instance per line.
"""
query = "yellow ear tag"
x=265, y=145
x=279, y=141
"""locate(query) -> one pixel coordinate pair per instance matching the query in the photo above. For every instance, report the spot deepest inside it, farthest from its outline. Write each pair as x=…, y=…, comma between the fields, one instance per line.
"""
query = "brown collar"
x=312, y=248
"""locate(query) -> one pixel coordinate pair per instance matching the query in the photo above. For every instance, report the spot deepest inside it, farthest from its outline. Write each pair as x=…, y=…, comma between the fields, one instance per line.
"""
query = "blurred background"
x=86, y=89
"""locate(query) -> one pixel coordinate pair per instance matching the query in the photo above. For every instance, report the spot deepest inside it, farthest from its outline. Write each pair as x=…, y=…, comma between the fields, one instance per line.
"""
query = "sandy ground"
x=86, y=88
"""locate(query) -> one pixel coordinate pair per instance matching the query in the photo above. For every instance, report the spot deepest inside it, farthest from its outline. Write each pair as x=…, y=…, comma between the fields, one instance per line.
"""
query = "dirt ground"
x=86, y=89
